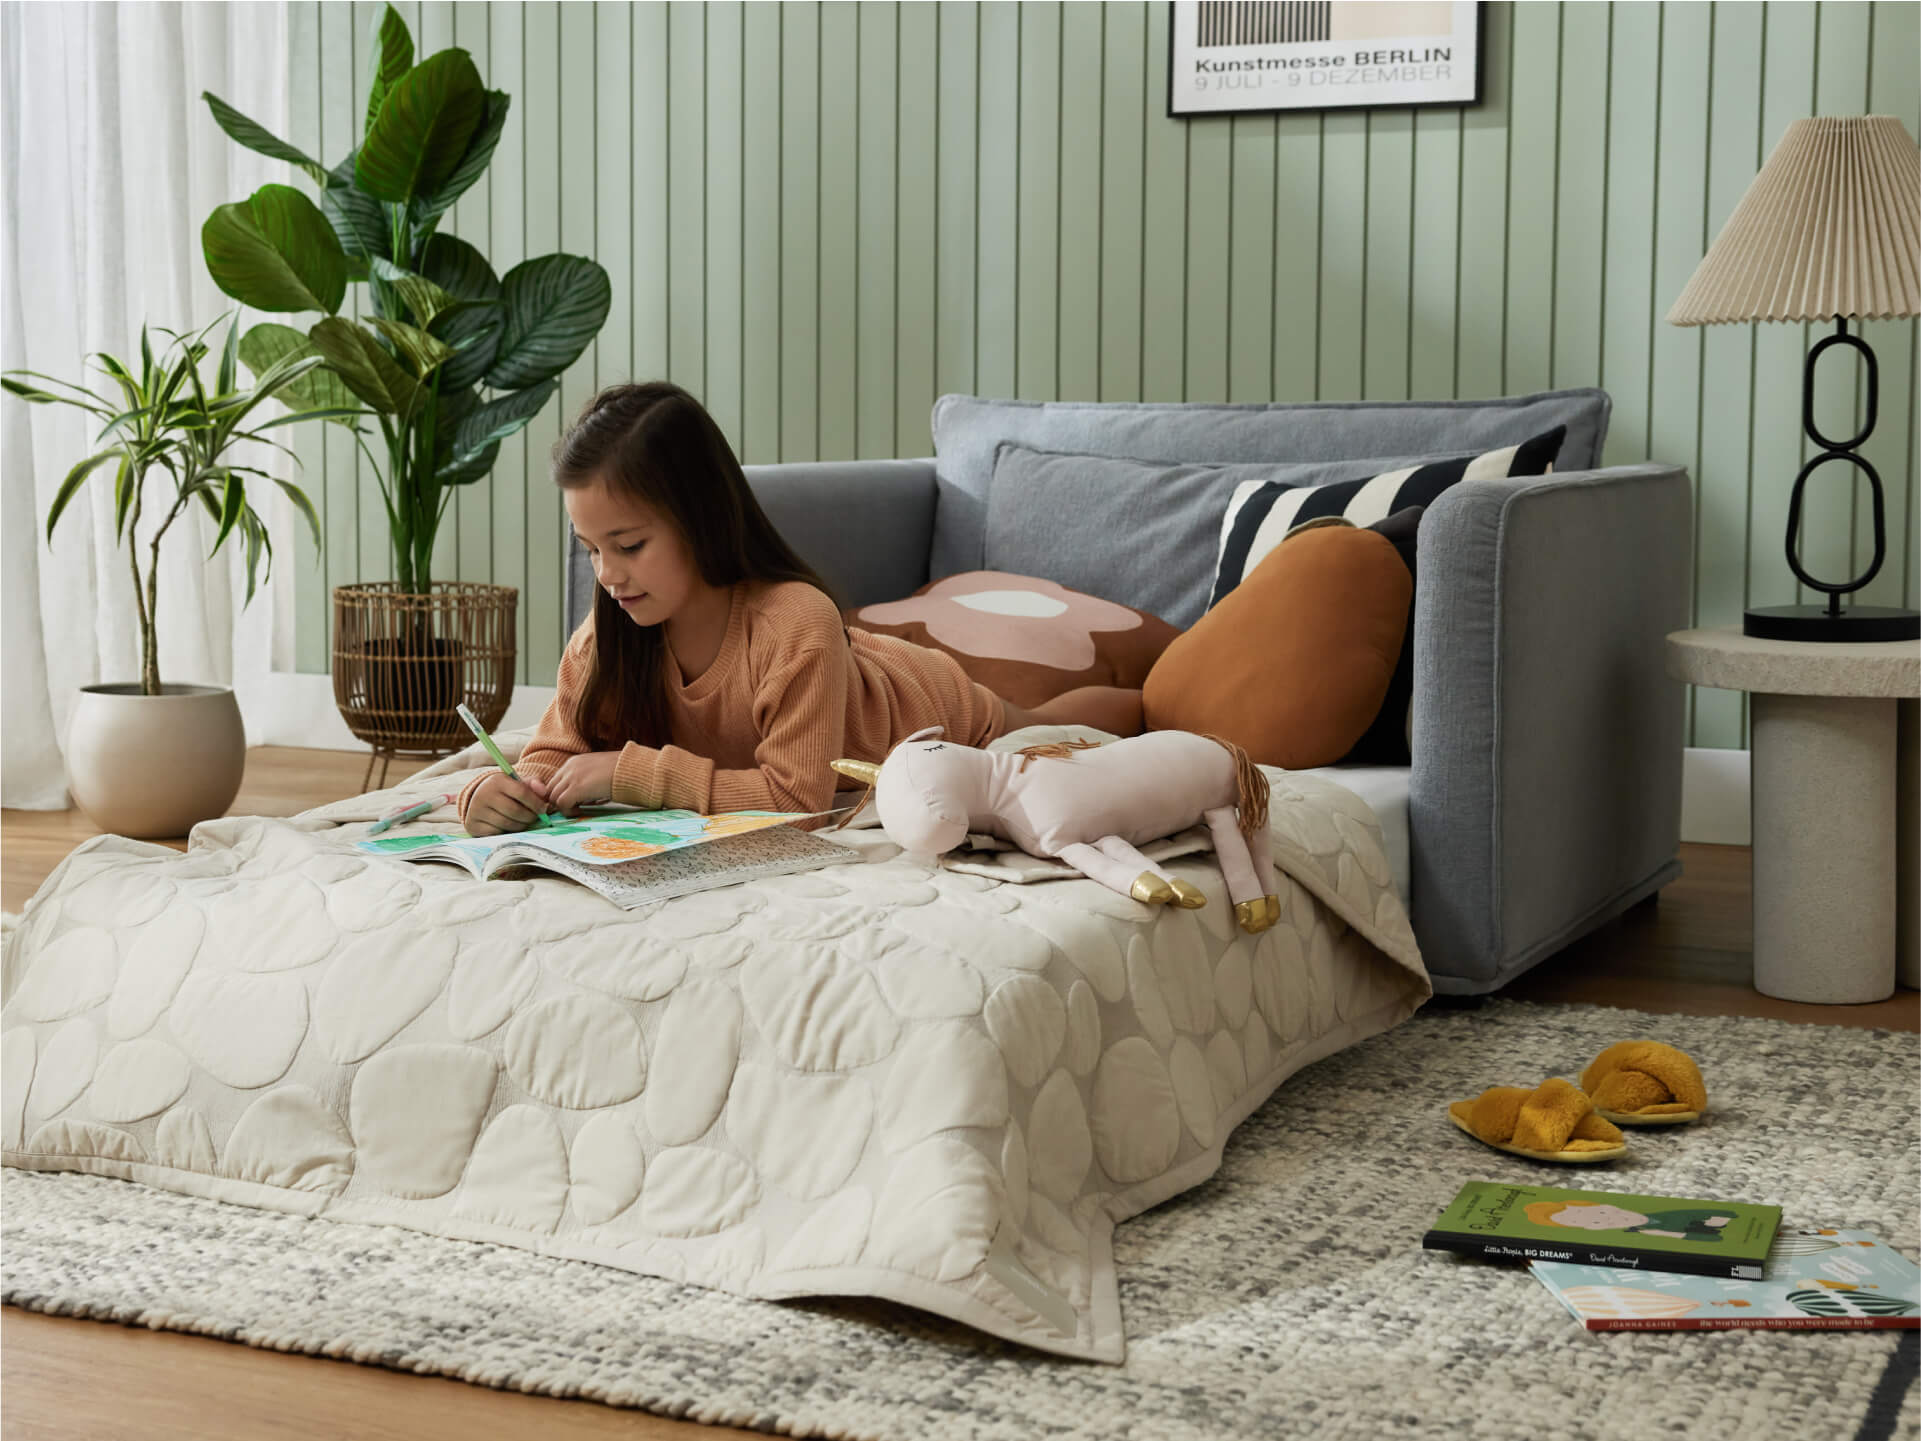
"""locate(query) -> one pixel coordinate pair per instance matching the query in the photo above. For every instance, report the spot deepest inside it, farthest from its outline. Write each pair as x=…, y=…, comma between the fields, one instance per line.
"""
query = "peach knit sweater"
x=787, y=693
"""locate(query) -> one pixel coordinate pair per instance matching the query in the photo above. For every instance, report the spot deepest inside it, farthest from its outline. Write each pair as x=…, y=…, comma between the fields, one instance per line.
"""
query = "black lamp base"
x=1812, y=622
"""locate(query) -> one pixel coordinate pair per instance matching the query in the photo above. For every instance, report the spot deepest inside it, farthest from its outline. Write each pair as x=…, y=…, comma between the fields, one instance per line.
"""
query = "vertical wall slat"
x=1164, y=230
x=506, y=40
x=339, y=501
x=1580, y=215
x=1130, y=93
x=1041, y=204
x=836, y=293
x=473, y=517
x=1727, y=396
x=1533, y=182
x=1780, y=350
x=916, y=239
x=1827, y=530
x=1627, y=301
x=1434, y=237
x=723, y=199
x=1297, y=256
x=304, y=560
x=1210, y=159
x=1250, y=281
x=955, y=196
x=1480, y=307
x=879, y=163
x=1343, y=271
x=799, y=229
x=1081, y=144
x=1680, y=240
x=1387, y=265
x=996, y=196
x=560, y=217
x=1894, y=88
x=762, y=190
x=373, y=537
x=687, y=197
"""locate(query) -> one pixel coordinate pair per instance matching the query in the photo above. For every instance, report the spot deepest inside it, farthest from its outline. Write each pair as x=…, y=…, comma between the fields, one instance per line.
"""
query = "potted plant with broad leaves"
x=146, y=758
x=452, y=360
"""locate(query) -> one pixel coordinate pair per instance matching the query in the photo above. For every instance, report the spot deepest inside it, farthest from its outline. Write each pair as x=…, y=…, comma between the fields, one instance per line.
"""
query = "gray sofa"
x=1543, y=796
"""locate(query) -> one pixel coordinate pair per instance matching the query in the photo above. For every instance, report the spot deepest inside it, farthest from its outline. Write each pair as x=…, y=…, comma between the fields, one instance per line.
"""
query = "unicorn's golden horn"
x=866, y=772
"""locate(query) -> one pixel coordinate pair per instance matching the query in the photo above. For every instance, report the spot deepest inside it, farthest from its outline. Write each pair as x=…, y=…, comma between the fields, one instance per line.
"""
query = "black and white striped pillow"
x=1261, y=512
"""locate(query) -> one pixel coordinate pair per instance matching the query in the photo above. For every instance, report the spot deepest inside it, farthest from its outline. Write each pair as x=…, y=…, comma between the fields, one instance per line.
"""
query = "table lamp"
x=1829, y=230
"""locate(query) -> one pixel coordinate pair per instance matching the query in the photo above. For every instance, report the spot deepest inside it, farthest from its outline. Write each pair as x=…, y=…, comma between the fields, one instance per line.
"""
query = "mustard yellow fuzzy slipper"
x=1553, y=1122
x=1645, y=1083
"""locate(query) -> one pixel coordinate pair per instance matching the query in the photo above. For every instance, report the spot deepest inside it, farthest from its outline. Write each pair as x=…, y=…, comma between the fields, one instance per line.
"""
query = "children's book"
x=635, y=858
x=1606, y=1228
x=1825, y=1279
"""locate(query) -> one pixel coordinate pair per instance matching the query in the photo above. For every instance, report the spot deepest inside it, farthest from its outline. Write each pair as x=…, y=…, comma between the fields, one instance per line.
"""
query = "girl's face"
x=639, y=558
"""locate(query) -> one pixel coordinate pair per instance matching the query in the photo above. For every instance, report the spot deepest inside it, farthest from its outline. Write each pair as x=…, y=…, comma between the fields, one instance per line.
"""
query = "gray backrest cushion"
x=1136, y=532
x=968, y=428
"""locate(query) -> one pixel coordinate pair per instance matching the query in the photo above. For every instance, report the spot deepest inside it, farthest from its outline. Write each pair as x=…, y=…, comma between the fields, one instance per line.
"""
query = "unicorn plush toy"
x=1088, y=805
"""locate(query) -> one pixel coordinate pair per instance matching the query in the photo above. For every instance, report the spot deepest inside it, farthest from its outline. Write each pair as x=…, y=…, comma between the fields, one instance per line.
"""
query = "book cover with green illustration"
x=1606, y=1228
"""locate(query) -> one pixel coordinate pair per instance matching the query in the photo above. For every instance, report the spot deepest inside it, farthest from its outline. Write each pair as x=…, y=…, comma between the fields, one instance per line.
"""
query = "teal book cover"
x=1704, y=1237
x=1826, y=1279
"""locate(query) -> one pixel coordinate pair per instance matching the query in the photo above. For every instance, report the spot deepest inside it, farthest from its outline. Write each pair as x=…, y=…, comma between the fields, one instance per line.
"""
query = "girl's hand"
x=582, y=779
x=501, y=804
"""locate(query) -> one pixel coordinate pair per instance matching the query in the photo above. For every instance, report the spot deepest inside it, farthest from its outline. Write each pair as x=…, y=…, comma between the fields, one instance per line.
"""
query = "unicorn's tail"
x=1250, y=785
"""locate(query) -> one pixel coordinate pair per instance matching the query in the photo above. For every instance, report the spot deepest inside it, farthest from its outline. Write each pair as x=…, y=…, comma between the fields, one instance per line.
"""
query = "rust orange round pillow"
x=1292, y=664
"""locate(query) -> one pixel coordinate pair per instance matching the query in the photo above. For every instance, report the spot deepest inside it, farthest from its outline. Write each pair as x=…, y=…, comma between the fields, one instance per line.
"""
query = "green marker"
x=474, y=725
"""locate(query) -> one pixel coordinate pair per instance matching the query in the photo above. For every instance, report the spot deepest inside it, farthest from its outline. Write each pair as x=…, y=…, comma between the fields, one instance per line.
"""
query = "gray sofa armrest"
x=1545, y=793
x=865, y=525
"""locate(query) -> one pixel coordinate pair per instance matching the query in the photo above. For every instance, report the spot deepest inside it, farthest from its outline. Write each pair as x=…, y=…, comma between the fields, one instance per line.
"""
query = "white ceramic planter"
x=151, y=766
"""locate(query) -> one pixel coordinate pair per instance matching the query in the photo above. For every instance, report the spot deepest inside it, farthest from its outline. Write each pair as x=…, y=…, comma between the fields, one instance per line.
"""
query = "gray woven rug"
x=1288, y=1296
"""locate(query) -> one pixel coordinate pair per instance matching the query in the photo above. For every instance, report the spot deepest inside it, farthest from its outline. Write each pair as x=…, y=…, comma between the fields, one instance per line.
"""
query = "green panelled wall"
x=819, y=217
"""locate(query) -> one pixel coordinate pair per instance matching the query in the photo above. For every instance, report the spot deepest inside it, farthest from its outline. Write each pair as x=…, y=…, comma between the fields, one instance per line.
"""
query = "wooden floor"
x=1688, y=954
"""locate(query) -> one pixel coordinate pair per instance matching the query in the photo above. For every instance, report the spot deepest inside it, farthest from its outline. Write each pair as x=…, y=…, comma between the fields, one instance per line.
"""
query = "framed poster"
x=1225, y=57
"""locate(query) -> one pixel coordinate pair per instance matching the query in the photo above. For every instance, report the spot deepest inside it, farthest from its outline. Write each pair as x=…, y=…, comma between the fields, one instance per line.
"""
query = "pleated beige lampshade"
x=1830, y=227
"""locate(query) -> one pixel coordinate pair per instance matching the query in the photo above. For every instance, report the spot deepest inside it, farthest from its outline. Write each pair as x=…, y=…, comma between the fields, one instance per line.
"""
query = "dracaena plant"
x=167, y=420
x=453, y=359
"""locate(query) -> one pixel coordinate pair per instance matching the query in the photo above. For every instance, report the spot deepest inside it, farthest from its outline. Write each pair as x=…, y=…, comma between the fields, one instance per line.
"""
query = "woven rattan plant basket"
x=402, y=662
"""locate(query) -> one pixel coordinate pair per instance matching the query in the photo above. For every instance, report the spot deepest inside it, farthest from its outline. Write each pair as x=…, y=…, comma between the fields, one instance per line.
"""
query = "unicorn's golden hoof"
x=1187, y=897
x=1258, y=914
x=1151, y=889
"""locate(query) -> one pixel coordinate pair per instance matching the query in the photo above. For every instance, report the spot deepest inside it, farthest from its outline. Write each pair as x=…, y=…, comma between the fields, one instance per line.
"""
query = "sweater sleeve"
x=555, y=738
x=800, y=713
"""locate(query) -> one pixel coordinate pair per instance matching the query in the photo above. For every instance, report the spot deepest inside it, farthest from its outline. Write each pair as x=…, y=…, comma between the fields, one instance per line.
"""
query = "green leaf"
x=75, y=479
x=120, y=377
x=555, y=305
x=425, y=300
x=421, y=350
x=359, y=222
x=480, y=153
x=256, y=138
x=223, y=382
x=393, y=58
x=251, y=528
x=305, y=506
x=232, y=498
x=123, y=489
x=474, y=335
x=275, y=251
x=43, y=397
x=372, y=374
x=499, y=419
x=269, y=344
x=422, y=130
x=467, y=472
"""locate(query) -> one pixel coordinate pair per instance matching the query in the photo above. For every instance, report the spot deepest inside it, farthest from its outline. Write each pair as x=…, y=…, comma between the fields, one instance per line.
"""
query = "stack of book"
x=1622, y=1262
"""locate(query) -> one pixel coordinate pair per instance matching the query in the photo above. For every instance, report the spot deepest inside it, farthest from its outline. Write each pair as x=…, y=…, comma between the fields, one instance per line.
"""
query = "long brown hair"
x=653, y=442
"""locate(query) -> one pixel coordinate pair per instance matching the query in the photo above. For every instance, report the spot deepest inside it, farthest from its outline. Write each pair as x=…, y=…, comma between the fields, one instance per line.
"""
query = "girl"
x=714, y=673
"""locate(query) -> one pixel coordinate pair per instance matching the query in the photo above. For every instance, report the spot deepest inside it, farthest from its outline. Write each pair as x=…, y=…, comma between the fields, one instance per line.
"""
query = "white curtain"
x=112, y=162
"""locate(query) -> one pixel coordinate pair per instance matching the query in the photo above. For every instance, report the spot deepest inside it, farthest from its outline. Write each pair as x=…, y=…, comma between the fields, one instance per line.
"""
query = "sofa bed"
x=939, y=1083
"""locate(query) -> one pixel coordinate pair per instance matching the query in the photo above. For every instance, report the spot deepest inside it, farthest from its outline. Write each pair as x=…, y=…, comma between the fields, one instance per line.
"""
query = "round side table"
x=1832, y=785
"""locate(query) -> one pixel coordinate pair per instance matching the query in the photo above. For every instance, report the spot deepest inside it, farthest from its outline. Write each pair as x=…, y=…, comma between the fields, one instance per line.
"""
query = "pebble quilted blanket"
x=886, y=1078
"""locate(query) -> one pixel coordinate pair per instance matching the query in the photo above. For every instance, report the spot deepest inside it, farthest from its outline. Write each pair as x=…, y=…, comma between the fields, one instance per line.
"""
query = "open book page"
x=596, y=840
x=745, y=856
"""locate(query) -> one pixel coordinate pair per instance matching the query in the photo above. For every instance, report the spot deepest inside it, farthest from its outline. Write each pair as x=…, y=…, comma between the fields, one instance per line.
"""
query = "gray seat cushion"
x=968, y=428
